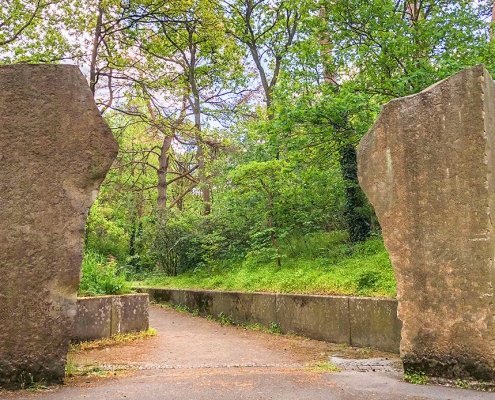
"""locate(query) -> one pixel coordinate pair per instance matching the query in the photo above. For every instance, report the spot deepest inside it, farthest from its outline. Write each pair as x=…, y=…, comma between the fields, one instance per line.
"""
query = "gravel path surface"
x=194, y=358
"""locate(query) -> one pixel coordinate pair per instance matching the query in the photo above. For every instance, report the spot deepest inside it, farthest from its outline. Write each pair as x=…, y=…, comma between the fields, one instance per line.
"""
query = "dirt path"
x=193, y=358
x=184, y=341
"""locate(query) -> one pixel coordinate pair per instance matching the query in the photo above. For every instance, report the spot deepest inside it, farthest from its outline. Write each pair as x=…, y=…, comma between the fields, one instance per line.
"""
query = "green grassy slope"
x=318, y=264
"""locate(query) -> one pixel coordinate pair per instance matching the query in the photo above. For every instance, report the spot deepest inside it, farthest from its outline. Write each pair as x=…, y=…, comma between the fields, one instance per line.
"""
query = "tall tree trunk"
x=203, y=184
x=94, y=50
x=413, y=8
x=358, y=222
x=163, y=165
x=92, y=86
x=200, y=151
x=267, y=89
x=357, y=219
x=326, y=49
x=180, y=204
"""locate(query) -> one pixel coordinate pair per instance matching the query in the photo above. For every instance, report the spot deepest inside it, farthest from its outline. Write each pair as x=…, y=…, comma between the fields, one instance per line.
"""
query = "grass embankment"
x=314, y=264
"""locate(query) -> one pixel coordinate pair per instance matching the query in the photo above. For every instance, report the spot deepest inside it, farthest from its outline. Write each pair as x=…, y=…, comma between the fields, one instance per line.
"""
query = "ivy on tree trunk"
x=357, y=221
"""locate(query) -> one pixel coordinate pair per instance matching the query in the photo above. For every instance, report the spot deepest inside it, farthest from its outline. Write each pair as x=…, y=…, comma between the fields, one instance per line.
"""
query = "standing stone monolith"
x=55, y=150
x=427, y=166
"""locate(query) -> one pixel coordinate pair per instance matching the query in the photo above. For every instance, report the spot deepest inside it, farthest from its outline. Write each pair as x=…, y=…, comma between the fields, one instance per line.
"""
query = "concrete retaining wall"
x=100, y=317
x=356, y=321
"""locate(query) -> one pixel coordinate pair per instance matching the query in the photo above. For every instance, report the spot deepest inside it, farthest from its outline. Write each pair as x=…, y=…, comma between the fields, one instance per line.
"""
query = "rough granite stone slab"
x=55, y=150
x=427, y=166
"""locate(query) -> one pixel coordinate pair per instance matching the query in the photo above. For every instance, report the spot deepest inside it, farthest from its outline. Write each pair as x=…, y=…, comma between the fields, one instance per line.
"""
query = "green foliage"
x=400, y=53
x=265, y=103
x=416, y=377
x=274, y=328
x=32, y=31
x=224, y=319
x=106, y=234
x=356, y=215
x=182, y=243
x=325, y=366
x=178, y=247
x=329, y=245
x=338, y=269
x=101, y=276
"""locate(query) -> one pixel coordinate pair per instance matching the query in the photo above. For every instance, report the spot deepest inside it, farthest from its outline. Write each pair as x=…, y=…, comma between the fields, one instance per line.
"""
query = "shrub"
x=101, y=275
x=186, y=243
x=177, y=248
x=105, y=234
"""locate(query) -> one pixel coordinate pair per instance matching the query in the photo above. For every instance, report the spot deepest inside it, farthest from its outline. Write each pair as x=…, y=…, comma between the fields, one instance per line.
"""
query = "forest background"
x=237, y=122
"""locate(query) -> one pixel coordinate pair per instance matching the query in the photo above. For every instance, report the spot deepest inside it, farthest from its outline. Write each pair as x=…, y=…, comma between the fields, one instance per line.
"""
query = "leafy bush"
x=186, y=242
x=105, y=234
x=101, y=275
x=177, y=247
x=341, y=268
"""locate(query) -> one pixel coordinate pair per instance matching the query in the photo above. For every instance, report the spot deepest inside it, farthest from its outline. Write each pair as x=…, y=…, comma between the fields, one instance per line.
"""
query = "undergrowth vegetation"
x=323, y=263
x=101, y=275
x=238, y=124
x=238, y=137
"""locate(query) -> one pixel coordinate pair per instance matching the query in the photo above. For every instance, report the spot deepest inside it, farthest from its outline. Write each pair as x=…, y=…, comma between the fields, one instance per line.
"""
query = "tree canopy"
x=238, y=119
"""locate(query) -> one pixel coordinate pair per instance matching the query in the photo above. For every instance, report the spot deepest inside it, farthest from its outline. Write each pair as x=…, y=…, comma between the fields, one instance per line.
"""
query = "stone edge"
x=104, y=316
